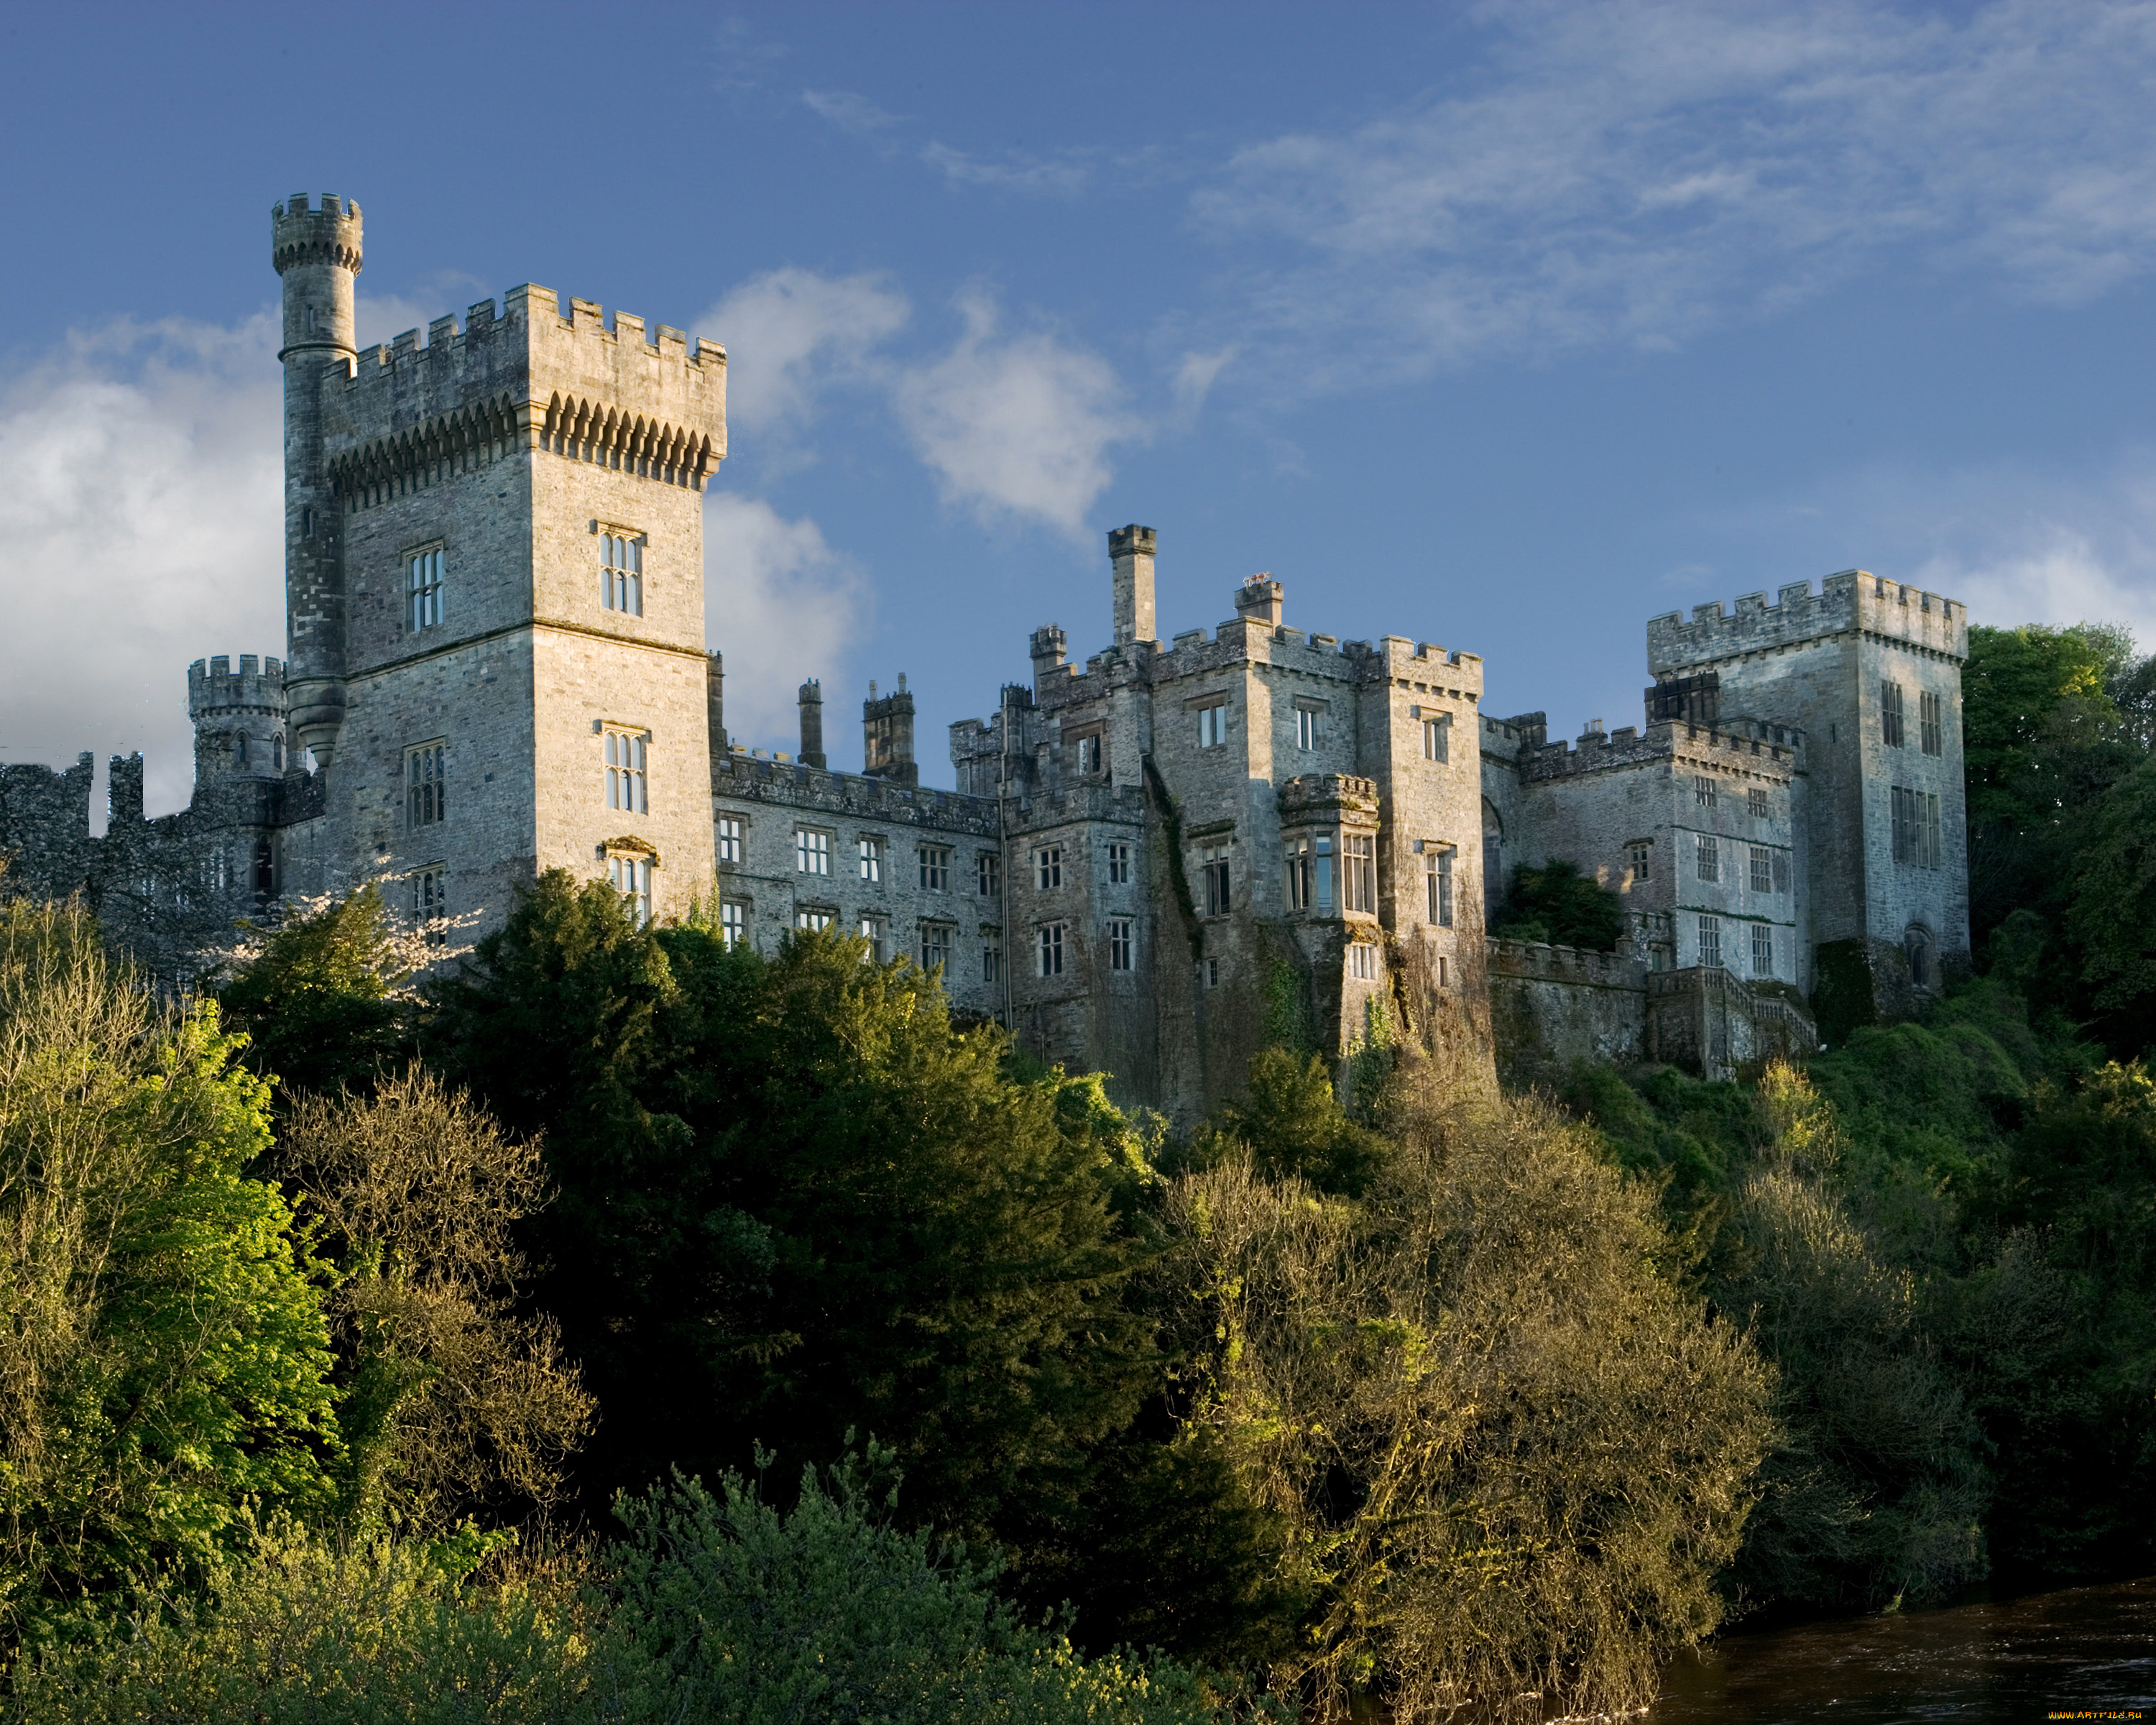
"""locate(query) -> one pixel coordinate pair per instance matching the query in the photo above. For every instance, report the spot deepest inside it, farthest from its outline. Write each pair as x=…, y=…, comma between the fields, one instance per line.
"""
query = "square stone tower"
x=1870, y=669
x=494, y=582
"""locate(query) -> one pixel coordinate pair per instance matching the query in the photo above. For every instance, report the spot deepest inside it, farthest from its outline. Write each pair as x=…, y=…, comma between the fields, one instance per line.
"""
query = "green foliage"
x=796, y=1200
x=716, y=1608
x=1506, y=1455
x=2112, y=914
x=730, y=1610
x=165, y=1355
x=316, y=997
x=296, y=1628
x=1291, y=1125
x=1843, y=999
x=1558, y=904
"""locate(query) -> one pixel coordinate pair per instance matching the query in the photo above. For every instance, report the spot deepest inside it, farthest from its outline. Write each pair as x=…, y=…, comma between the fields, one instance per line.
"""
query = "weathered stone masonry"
x=1154, y=862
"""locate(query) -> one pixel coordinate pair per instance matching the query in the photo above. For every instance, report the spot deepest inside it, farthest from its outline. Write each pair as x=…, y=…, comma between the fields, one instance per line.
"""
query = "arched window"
x=266, y=867
x=239, y=748
x=1917, y=944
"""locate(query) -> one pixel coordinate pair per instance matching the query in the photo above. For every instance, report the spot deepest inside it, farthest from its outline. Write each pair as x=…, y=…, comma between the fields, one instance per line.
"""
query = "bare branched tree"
x=454, y=1401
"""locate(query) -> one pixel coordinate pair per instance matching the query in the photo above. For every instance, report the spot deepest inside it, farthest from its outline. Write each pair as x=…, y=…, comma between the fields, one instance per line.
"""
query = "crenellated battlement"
x=1744, y=747
x=1854, y=600
x=528, y=378
x=257, y=686
x=300, y=235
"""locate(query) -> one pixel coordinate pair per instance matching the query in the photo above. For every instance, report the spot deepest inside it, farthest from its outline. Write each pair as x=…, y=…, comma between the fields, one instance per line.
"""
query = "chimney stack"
x=887, y=737
x=812, y=723
x=1049, y=642
x=1258, y=600
x=1130, y=555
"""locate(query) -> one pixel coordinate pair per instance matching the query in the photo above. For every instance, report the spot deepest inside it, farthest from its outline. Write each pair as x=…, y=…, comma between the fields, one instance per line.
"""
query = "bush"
x=1507, y=1452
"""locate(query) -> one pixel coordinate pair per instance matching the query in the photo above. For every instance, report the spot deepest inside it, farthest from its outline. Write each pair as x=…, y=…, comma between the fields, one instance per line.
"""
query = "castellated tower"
x=317, y=253
x=1870, y=670
x=495, y=577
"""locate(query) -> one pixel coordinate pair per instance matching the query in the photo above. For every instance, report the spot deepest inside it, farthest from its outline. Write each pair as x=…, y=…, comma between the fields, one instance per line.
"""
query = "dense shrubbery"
x=315, y=1296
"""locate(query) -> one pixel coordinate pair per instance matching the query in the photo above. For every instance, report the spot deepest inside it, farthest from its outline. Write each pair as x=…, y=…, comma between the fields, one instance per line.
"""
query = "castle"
x=1153, y=864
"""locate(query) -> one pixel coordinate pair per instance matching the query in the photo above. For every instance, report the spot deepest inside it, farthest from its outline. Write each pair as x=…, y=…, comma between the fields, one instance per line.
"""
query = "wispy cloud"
x=1062, y=172
x=850, y=112
x=142, y=520
x=1635, y=172
x=783, y=606
x=1016, y=427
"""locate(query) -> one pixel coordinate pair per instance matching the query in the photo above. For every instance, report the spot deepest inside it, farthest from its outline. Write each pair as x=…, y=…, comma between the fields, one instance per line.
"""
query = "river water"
x=2089, y=1652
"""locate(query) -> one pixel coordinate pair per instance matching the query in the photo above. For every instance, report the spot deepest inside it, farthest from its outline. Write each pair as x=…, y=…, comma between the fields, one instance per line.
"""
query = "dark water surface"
x=2090, y=1651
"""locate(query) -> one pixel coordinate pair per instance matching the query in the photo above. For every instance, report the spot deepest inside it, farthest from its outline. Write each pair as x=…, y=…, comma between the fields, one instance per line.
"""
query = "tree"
x=451, y=1402
x=1558, y=904
x=796, y=1199
x=320, y=995
x=164, y=1356
x=1292, y=1127
x=1507, y=1455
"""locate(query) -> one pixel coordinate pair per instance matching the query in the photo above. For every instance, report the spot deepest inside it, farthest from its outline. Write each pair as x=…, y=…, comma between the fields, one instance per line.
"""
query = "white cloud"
x=1016, y=427
x=783, y=607
x=1634, y=172
x=141, y=527
x=790, y=333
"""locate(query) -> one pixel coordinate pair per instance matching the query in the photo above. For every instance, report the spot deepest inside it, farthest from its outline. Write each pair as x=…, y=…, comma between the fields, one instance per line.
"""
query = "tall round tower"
x=317, y=253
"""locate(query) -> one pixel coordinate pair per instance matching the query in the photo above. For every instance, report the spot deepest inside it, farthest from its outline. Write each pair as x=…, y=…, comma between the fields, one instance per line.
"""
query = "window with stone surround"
x=1916, y=943
x=733, y=922
x=1763, y=949
x=936, y=945
x=1930, y=724
x=1641, y=855
x=872, y=929
x=423, y=578
x=426, y=783
x=1437, y=877
x=1048, y=867
x=1710, y=858
x=1119, y=863
x=1363, y=961
x=430, y=902
x=1915, y=827
x=1309, y=724
x=992, y=955
x=730, y=840
x=812, y=851
x=812, y=919
x=935, y=868
x=988, y=873
x=1710, y=942
x=1358, y=872
x=1121, y=945
x=1050, y=949
x=1763, y=869
x=1927, y=829
x=1890, y=713
x=1310, y=873
x=871, y=859
x=626, y=754
x=1089, y=756
x=621, y=570
x=632, y=879
x=1755, y=799
x=1703, y=791
x=1437, y=739
x=1212, y=865
x=1213, y=725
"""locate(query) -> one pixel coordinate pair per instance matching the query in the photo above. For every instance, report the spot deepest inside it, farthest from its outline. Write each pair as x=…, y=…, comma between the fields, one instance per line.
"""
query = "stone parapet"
x=1855, y=600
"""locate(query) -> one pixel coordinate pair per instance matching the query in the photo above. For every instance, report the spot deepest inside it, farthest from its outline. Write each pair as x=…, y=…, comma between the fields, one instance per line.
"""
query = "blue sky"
x=1500, y=327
